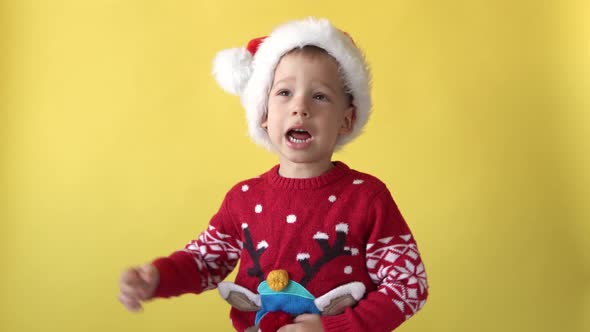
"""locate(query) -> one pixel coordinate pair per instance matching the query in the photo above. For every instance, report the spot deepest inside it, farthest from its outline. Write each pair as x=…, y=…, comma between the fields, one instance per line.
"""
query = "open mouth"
x=298, y=135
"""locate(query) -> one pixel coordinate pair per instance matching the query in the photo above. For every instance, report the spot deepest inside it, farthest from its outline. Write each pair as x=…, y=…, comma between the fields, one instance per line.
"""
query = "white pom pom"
x=232, y=69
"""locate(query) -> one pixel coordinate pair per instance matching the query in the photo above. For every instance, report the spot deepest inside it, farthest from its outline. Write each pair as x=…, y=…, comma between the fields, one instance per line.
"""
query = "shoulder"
x=246, y=185
x=367, y=181
x=249, y=185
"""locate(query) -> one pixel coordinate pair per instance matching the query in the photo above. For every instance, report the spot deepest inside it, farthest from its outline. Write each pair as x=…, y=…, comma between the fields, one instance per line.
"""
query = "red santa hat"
x=249, y=71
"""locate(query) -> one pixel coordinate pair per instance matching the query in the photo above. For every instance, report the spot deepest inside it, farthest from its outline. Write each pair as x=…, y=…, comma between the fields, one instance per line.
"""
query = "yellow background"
x=117, y=146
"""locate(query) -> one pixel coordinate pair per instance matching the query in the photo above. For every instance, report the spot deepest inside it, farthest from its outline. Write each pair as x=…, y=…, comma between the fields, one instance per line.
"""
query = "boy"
x=322, y=247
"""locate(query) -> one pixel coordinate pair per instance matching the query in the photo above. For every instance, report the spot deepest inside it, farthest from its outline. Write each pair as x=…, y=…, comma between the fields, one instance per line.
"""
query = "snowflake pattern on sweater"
x=327, y=231
x=398, y=269
x=207, y=250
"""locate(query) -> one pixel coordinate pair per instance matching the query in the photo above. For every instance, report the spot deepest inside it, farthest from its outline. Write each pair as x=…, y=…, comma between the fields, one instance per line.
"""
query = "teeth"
x=299, y=130
x=295, y=140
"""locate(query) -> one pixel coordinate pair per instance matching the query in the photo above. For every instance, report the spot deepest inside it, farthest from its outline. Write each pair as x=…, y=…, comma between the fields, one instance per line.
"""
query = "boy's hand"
x=138, y=285
x=304, y=323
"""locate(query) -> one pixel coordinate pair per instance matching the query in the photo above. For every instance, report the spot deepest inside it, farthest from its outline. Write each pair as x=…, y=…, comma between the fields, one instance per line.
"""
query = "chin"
x=299, y=159
x=302, y=157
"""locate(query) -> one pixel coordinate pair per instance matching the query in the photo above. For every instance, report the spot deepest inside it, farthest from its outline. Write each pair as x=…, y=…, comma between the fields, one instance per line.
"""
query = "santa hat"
x=249, y=72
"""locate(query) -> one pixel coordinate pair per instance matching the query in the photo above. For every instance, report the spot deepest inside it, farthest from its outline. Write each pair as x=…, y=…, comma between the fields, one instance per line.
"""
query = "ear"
x=264, y=123
x=348, y=121
x=337, y=300
x=239, y=297
x=338, y=305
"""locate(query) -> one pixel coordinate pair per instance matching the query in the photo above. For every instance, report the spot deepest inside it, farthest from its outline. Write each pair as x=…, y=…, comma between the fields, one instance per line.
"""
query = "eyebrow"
x=288, y=78
x=291, y=78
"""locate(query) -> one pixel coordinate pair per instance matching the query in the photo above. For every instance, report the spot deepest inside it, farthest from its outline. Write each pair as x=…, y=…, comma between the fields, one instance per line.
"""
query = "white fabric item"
x=251, y=76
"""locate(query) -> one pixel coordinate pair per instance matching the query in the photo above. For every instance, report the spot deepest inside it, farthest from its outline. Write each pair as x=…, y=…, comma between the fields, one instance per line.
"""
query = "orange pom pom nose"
x=277, y=280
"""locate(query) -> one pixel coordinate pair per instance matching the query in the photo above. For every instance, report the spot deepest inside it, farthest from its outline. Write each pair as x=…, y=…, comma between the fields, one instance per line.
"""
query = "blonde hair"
x=314, y=52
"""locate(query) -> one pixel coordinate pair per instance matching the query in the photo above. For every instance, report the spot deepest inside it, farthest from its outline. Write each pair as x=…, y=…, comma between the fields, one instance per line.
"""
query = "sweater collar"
x=338, y=171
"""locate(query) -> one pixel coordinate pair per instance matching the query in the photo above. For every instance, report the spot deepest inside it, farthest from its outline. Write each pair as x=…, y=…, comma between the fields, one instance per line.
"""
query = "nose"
x=299, y=107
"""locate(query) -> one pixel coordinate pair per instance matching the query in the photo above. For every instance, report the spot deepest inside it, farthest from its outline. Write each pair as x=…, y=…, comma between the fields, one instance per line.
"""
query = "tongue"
x=299, y=134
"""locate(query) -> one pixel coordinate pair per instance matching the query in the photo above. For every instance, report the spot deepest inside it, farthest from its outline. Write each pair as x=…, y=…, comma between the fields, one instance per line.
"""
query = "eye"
x=284, y=93
x=320, y=96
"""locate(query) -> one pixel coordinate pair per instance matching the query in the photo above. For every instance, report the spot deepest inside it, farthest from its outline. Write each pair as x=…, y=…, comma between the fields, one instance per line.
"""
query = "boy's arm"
x=204, y=262
x=395, y=266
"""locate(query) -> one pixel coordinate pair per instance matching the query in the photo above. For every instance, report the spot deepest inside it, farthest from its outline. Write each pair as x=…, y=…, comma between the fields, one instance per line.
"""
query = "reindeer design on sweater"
x=279, y=298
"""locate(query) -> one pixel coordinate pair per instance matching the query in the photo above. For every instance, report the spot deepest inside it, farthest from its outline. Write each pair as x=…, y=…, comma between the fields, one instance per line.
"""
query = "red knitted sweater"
x=326, y=231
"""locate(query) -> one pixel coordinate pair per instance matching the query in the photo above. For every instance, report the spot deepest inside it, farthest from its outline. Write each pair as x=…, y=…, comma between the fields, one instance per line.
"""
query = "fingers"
x=130, y=303
x=297, y=327
x=132, y=285
x=304, y=323
x=137, y=285
x=287, y=328
x=306, y=317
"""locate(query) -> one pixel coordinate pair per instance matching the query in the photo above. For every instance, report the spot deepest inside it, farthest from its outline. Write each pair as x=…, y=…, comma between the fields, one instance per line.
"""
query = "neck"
x=293, y=170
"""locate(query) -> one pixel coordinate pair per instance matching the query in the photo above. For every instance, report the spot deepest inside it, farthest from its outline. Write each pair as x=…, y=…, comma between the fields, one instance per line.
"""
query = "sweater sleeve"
x=394, y=265
x=204, y=262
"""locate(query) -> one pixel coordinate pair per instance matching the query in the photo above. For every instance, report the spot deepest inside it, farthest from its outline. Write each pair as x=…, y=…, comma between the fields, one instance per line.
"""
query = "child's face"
x=308, y=108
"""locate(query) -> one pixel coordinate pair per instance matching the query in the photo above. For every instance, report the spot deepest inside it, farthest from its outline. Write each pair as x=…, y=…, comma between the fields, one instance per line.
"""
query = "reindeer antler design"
x=329, y=252
x=255, y=253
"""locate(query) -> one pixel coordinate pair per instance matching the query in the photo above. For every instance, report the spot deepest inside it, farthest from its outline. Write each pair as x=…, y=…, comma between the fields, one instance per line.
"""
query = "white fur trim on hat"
x=231, y=68
x=251, y=76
